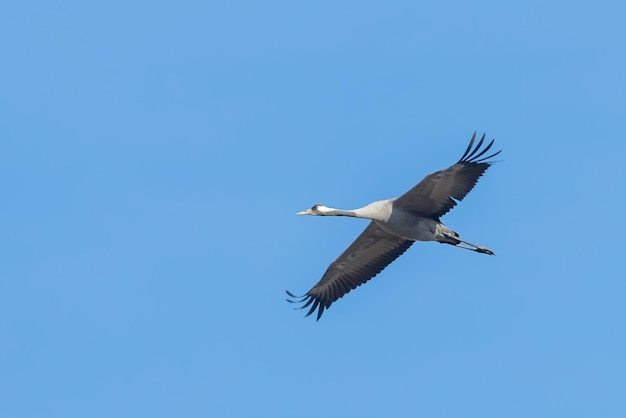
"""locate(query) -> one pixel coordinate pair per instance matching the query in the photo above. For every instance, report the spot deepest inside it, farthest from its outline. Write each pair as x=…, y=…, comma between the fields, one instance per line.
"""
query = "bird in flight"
x=395, y=225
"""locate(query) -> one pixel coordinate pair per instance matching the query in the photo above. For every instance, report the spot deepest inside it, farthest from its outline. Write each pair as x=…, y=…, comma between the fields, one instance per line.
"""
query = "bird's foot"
x=484, y=250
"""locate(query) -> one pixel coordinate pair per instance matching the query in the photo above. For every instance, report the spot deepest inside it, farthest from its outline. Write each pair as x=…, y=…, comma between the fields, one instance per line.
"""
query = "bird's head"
x=317, y=210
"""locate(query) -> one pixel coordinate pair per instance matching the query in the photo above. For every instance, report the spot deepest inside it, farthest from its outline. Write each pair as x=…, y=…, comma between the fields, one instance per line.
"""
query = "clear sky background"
x=153, y=156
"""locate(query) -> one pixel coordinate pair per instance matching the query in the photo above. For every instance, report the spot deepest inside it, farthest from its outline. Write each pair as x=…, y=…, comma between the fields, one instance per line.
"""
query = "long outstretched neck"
x=379, y=211
x=339, y=212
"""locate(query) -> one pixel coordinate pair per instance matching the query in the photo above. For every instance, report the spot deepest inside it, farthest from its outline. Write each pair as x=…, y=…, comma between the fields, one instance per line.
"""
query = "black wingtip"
x=474, y=154
x=313, y=308
x=469, y=147
x=320, y=312
x=294, y=298
x=307, y=300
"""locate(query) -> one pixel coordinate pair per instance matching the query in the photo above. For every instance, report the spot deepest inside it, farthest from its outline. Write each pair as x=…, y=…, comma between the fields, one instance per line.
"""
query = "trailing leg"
x=452, y=238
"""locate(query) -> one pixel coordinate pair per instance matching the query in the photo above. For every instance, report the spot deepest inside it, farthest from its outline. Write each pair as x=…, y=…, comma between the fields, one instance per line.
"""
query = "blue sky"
x=153, y=156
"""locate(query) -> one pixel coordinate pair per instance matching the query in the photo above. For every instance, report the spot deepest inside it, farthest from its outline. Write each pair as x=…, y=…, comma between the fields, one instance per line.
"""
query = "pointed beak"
x=305, y=212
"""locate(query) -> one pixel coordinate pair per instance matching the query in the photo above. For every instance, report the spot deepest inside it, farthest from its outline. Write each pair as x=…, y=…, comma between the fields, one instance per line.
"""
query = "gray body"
x=403, y=223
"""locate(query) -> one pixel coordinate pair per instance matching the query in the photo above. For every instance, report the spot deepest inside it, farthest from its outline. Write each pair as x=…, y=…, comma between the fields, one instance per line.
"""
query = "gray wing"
x=368, y=255
x=434, y=195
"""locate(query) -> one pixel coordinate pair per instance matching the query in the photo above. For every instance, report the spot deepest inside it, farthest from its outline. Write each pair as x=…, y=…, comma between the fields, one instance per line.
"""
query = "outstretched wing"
x=434, y=195
x=368, y=255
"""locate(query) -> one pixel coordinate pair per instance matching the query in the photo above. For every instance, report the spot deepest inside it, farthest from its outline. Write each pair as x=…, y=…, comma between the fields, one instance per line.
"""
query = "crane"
x=395, y=225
